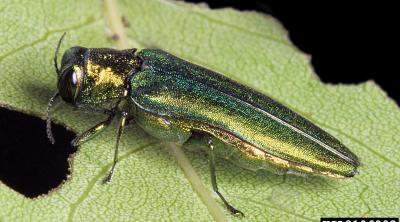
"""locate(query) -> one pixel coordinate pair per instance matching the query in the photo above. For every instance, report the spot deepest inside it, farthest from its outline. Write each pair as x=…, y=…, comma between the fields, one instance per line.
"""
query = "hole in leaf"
x=29, y=163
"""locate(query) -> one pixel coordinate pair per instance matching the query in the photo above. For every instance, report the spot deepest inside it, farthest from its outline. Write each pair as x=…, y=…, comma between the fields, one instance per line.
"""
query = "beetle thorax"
x=105, y=77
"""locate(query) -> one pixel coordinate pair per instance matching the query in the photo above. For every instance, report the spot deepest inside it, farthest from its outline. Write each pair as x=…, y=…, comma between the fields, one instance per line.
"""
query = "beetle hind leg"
x=211, y=157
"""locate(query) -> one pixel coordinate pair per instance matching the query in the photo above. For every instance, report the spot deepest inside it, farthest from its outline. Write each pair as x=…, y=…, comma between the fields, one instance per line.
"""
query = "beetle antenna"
x=54, y=97
x=48, y=118
x=56, y=53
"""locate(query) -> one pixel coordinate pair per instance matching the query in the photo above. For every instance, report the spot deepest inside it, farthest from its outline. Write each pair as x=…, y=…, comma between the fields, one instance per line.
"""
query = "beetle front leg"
x=121, y=127
x=211, y=157
x=90, y=133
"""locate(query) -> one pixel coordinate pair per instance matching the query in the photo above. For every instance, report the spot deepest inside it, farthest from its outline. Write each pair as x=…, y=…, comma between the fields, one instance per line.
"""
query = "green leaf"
x=149, y=184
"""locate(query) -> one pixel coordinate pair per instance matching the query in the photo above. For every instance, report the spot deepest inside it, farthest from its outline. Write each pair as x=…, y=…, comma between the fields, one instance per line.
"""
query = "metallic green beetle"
x=177, y=101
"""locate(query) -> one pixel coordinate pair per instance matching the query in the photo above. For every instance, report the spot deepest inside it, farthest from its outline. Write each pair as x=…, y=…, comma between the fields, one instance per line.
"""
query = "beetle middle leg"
x=122, y=124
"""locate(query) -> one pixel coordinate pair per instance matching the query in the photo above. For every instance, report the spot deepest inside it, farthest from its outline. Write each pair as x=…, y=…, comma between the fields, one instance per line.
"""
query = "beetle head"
x=70, y=75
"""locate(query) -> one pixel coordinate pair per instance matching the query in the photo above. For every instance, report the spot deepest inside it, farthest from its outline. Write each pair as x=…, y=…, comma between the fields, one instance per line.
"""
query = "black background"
x=349, y=43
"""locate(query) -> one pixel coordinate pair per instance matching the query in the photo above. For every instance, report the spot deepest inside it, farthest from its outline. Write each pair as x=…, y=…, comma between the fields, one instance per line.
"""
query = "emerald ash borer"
x=177, y=101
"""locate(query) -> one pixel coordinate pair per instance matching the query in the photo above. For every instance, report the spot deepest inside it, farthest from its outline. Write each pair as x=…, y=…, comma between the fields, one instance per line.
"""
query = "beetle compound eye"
x=68, y=84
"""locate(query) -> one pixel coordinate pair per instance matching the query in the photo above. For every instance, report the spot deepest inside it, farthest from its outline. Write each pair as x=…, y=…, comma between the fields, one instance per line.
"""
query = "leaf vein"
x=252, y=33
x=89, y=21
x=74, y=206
x=277, y=208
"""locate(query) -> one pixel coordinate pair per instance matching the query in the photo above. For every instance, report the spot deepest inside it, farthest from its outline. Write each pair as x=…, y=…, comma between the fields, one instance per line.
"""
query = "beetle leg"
x=85, y=136
x=211, y=157
x=121, y=127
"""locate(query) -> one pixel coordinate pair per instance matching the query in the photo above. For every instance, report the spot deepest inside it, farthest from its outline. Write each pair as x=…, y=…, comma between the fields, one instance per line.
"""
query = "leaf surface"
x=153, y=181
